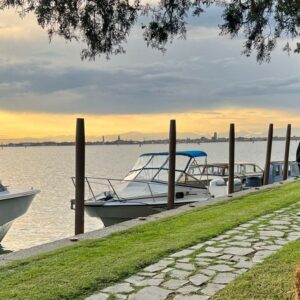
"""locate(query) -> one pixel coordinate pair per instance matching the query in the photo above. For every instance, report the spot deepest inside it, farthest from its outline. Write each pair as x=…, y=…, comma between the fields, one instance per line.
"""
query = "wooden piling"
x=287, y=152
x=268, y=155
x=80, y=177
x=231, y=159
x=172, y=164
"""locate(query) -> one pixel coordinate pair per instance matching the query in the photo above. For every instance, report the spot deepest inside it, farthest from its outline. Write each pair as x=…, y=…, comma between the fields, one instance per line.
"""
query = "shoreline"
x=106, y=231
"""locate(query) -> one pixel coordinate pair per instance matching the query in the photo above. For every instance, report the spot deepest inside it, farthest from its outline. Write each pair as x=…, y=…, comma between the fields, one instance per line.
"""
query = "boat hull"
x=4, y=229
x=12, y=206
x=115, y=212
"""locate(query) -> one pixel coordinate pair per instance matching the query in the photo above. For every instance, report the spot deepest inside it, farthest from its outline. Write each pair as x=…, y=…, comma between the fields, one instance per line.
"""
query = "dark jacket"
x=298, y=154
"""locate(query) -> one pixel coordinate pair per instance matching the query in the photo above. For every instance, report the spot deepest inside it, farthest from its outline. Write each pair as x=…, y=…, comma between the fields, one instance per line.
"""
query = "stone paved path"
x=198, y=272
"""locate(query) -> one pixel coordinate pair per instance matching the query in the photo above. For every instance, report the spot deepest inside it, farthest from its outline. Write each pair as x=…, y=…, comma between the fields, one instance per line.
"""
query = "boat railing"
x=111, y=186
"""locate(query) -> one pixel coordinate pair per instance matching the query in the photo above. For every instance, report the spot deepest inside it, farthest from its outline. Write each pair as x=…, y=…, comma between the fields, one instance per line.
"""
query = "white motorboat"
x=276, y=170
x=13, y=204
x=246, y=175
x=144, y=190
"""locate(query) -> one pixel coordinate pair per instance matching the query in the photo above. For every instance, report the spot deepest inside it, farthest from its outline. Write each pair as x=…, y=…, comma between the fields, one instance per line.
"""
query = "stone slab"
x=240, y=244
x=221, y=268
x=212, y=288
x=224, y=278
x=150, y=282
x=158, y=266
x=197, y=247
x=213, y=249
x=150, y=293
x=244, y=265
x=199, y=279
x=208, y=254
x=180, y=274
x=207, y=272
x=279, y=222
x=119, y=288
x=183, y=253
x=238, y=251
x=174, y=284
x=271, y=233
x=187, y=289
x=134, y=279
x=184, y=260
x=100, y=296
x=185, y=266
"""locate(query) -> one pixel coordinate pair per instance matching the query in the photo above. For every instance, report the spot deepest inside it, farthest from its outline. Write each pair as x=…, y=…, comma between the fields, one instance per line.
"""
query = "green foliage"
x=262, y=24
x=84, y=268
x=105, y=25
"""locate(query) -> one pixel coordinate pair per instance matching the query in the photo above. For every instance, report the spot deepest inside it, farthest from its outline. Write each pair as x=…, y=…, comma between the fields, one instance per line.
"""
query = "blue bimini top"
x=192, y=153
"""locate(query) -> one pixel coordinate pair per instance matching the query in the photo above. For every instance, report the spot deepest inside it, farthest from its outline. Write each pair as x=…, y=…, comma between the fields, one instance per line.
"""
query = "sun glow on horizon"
x=249, y=121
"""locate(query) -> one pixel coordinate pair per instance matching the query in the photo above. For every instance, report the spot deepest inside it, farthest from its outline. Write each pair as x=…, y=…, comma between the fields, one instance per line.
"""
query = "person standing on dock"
x=298, y=155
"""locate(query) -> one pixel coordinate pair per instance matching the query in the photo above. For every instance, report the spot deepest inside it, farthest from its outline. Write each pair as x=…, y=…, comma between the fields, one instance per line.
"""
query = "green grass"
x=76, y=271
x=272, y=279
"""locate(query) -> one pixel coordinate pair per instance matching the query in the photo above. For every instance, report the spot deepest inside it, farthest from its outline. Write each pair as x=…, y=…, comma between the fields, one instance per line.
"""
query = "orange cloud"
x=252, y=121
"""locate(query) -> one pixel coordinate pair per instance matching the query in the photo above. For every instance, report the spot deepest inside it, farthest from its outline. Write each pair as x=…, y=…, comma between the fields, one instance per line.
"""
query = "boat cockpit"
x=154, y=167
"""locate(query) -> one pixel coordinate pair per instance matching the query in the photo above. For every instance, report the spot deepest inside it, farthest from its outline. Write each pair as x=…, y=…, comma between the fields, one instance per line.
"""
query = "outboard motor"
x=217, y=187
x=237, y=185
x=217, y=182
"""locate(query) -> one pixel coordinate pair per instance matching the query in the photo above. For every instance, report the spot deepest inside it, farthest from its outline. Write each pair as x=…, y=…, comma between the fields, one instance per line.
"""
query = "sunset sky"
x=204, y=82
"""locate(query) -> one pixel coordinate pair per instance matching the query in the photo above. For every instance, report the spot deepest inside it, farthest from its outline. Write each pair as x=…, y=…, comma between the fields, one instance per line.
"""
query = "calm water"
x=50, y=168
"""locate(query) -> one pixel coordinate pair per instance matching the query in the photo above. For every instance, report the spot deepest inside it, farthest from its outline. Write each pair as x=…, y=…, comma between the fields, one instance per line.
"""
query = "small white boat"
x=144, y=190
x=246, y=175
x=276, y=170
x=13, y=204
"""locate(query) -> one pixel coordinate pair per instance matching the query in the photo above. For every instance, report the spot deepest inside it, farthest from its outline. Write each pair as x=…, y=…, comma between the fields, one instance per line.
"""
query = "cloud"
x=202, y=72
x=140, y=89
x=270, y=92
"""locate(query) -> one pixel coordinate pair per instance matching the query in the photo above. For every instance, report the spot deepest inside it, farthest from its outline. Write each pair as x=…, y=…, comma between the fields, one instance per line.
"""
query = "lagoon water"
x=50, y=168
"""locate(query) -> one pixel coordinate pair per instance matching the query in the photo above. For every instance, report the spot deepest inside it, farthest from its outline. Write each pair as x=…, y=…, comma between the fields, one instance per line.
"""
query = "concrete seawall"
x=102, y=233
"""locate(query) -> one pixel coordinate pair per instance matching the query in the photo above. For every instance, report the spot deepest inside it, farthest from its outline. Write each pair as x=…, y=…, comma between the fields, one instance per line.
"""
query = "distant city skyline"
x=142, y=136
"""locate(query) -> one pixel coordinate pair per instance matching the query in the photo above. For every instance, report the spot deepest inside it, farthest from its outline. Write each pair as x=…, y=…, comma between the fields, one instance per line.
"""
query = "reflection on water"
x=50, y=168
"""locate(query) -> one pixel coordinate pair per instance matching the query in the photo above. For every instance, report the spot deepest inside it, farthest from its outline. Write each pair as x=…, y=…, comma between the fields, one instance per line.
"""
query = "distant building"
x=215, y=136
x=103, y=139
x=119, y=138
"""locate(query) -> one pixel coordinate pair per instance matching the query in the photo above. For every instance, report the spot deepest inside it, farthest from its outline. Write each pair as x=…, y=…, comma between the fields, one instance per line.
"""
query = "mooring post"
x=231, y=159
x=287, y=152
x=268, y=155
x=80, y=177
x=172, y=164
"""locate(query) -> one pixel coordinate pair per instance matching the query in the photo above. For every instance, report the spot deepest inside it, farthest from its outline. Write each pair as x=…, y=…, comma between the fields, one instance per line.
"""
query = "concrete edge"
x=104, y=232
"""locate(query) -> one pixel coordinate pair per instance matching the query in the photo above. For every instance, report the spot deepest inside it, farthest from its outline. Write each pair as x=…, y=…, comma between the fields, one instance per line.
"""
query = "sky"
x=203, y=82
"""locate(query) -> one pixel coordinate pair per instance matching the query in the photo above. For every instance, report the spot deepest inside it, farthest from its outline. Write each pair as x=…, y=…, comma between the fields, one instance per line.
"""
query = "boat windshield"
x=248, y=168
x=156, y=167
x=215, y=170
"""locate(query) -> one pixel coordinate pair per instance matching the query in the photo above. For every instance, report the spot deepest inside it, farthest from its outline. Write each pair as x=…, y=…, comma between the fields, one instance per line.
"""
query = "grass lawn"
x=76, y=271
x=272, y=279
